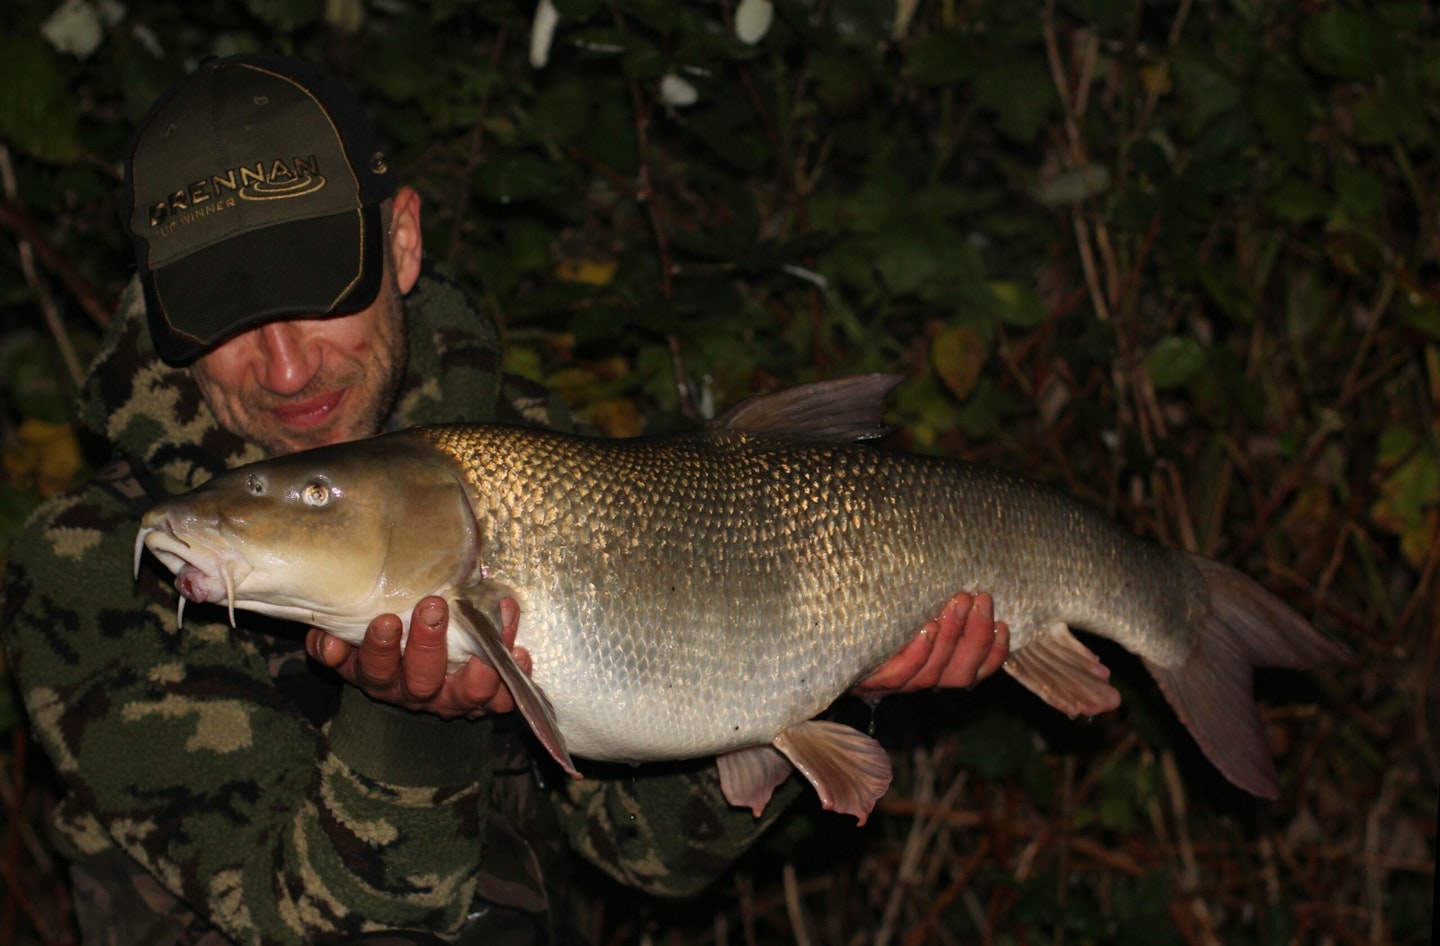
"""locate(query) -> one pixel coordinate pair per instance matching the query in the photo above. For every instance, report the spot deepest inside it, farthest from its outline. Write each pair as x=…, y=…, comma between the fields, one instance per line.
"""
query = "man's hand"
x=417, y=680
x=961, y=647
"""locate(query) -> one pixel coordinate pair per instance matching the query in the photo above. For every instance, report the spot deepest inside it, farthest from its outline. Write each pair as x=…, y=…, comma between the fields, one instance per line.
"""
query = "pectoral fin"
x=1061, y=671
x=850, y=771
x=748, y=777
x=529, y=698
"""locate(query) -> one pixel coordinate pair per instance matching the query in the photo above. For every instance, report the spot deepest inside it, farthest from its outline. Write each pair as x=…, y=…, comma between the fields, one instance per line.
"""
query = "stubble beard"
x=377, y=386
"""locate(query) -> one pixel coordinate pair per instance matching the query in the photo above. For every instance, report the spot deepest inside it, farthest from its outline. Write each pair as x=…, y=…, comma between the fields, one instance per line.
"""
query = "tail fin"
x=1245, y=627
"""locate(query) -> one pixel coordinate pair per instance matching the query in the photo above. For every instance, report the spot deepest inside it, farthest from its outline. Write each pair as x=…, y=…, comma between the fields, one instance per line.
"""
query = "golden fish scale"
x=688, y=595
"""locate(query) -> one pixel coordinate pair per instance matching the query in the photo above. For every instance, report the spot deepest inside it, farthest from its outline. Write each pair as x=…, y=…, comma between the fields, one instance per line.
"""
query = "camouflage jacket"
x=247, y=794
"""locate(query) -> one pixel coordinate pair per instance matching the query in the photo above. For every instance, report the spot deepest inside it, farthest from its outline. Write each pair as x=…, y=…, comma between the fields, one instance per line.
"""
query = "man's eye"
x=315, y=494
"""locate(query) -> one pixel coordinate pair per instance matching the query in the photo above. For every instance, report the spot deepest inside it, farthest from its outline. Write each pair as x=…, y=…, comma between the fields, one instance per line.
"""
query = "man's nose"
x=288, y=360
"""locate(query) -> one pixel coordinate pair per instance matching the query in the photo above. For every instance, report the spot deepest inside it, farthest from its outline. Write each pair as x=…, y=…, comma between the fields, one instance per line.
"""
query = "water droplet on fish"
x=874, y=703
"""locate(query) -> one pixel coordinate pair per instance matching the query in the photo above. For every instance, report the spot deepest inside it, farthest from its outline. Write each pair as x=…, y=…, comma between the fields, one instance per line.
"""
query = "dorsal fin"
x=838, y=411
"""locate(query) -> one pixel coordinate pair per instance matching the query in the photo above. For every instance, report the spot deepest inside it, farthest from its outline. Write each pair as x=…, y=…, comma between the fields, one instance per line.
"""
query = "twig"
x=1429, y=577
x=1374, y=871
x=922, y=830
x=793, y=906
x=1377, y=315
x=32, y=276
x=474, y=158
x=14, y=219
x=959, y=886
x=645, y=190
x=1190, y=874
x=1289, y=482
x=1152, y=95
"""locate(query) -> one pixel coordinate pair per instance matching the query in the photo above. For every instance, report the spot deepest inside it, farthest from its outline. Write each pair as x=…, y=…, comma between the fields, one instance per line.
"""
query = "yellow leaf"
x=615, y=417
x=594, y=272
x=1155, y=77
x=43, y=455
x=958, y=355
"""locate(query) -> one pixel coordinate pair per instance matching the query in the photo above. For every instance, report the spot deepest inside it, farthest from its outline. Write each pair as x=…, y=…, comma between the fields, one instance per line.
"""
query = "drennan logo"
x=277, y=179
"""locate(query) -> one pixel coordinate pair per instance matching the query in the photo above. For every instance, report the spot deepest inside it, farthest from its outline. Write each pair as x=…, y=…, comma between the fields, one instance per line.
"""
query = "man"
x=219, y=786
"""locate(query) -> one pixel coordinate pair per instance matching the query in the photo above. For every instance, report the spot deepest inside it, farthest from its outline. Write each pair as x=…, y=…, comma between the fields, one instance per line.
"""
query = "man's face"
x=298, y=383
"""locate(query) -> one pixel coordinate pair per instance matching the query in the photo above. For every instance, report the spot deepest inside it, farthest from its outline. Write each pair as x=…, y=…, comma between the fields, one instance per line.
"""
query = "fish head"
x=330, y=537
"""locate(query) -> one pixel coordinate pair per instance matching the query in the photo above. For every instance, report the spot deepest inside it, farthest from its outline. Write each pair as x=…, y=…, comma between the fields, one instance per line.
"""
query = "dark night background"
x=1181, y=259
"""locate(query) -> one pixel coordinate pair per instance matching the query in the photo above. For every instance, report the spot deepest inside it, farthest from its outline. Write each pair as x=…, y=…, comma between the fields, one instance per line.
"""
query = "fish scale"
x=713, y=592
x=734, y=563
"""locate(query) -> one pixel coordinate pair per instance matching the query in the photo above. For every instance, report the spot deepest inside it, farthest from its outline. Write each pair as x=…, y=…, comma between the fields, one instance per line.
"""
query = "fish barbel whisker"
x=230, y=594
x=140, y=549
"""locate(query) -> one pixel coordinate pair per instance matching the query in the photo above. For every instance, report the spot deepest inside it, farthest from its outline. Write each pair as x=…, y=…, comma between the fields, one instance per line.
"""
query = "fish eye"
x=255, y=484
x=315, y=493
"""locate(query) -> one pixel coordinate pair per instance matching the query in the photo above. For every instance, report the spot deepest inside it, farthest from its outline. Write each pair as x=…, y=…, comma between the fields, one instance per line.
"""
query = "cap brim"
x=307, y=268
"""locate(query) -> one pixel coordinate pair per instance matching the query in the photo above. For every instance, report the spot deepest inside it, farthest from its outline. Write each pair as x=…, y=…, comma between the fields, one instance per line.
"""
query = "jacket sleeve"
x=663, y=829
x=193, y=762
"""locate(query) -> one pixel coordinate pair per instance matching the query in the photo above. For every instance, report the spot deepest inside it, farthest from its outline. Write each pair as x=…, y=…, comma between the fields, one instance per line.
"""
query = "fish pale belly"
x=639, y=696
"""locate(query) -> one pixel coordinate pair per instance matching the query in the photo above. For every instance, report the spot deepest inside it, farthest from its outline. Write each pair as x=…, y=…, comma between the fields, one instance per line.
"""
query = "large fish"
x=710, y=593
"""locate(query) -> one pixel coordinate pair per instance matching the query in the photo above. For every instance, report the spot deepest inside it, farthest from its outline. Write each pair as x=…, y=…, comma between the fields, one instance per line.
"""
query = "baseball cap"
x=252, y=194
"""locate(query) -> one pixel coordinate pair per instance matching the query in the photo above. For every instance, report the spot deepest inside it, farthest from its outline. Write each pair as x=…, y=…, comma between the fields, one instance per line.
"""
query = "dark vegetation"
x=1180, y=258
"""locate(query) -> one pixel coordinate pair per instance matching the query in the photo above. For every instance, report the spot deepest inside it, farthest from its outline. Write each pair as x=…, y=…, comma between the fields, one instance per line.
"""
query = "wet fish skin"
x=711, y=593
x=789, y=556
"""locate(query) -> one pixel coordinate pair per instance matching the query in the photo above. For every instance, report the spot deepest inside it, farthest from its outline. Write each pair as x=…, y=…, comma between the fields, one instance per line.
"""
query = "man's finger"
x=949, y=631
x=377, y=666
x=974, y=644
x=898, y=670
x=999, y=652
x=426, y=652
x=509, y=620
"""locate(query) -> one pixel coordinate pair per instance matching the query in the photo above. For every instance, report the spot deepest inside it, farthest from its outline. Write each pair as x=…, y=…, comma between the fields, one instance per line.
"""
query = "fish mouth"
x=206, y=572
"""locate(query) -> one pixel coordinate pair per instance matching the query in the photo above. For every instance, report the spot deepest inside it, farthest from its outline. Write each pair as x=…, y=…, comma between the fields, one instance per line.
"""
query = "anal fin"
x=748, y=777
x=850, y=770
x=532, y=702
x=1064, y=673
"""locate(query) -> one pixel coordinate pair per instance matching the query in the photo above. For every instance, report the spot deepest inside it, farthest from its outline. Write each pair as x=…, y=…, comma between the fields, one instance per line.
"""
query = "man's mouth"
x=310, y=412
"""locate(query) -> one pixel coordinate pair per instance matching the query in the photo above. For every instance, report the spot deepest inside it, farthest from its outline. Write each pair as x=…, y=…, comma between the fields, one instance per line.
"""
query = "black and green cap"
x=252, y=194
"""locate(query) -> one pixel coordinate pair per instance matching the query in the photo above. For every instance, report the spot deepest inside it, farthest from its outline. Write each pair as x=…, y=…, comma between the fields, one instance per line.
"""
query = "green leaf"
x=939, y=59
x=285, y=15
x=842, y=79
x=1392, y=111
x=32, y=384
x=1021, y=94
x=1421, y=312
x=1341, y=42
x=996, y=745
x=1360, y=192
x=16, y=504
x=515, y=176
x=907, y=258
x=1074, y=185
x=1284, y=106
x=661, y=16
x=860, y=23
x=1298, y=201
x=1204, y=90
x=576, y=9
x=1019, y=304
x=37, y=112
x=642, y=60
x=1174, y=361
